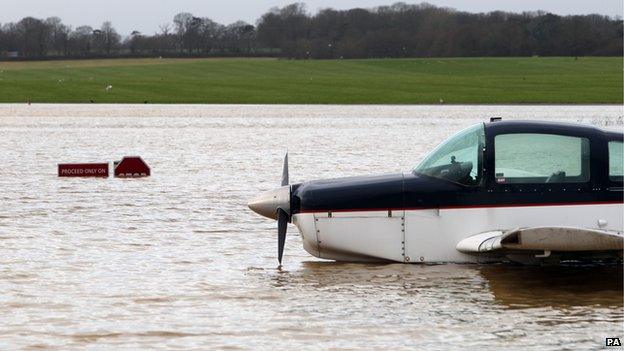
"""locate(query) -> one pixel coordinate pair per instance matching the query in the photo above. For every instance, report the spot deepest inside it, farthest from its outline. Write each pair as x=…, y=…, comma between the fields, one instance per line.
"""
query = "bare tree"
x=33, y=34
x=81, y=40
x=134, y=41
x=164, y=29
x=59, y=35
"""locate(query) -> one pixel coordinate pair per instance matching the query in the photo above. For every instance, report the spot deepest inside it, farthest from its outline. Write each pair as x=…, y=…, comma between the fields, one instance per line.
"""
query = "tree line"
x=399, y=30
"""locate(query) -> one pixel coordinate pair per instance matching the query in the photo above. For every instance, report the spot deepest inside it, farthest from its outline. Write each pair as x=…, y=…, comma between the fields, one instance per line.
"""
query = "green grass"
x=560, y=80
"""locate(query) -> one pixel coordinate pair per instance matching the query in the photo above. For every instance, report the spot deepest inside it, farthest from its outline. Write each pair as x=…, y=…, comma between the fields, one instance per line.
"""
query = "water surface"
x=178, y=261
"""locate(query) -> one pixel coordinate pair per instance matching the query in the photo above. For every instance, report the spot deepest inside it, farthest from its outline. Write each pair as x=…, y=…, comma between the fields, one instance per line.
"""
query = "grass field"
x=376, y=81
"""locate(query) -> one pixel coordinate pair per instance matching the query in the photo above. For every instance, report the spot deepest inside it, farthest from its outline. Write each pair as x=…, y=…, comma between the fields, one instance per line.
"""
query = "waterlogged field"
x=177, y=260
x=589, y=80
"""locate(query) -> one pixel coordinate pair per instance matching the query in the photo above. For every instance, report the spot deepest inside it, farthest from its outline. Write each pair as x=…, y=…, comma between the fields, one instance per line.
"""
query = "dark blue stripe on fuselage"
x=412, y=191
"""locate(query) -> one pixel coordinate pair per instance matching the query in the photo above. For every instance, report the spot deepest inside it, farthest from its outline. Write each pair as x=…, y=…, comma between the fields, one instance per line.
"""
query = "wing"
x=546, y=239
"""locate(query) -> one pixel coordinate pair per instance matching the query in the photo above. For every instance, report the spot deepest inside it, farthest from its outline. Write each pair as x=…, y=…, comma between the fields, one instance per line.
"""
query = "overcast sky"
x=146, y=15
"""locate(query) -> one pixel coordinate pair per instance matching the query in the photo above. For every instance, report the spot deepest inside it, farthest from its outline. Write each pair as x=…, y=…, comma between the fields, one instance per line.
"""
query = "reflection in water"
x=555, y=286
x=511, y=285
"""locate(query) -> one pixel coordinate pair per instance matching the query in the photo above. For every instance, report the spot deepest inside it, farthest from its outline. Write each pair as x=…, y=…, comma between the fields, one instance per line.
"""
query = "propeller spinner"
x=275, y=204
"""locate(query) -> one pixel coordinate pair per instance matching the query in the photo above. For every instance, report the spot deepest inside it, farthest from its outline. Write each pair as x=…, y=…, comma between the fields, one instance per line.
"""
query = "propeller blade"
x=282, y=223
x=282, y=216
x=285, y=170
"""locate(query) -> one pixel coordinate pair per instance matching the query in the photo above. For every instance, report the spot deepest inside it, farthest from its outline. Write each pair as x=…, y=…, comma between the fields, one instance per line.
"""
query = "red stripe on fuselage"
x=459, y=207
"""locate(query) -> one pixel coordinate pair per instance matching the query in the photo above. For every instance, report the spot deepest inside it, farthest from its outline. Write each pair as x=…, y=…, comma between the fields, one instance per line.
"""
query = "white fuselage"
x=431, y=235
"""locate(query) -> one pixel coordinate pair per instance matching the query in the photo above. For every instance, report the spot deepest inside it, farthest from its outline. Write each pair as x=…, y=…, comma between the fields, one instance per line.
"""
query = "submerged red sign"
x=83, y=170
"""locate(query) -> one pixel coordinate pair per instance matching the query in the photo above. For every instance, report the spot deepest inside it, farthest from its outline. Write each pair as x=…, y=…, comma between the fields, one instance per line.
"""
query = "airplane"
x=529, y=192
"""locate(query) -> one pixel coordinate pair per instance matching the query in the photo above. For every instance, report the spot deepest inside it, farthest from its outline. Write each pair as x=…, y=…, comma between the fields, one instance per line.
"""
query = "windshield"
x=458, y=159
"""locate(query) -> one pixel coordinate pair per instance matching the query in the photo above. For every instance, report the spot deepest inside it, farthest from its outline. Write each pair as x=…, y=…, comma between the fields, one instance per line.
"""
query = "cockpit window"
x=458, y=159
x=540, y=158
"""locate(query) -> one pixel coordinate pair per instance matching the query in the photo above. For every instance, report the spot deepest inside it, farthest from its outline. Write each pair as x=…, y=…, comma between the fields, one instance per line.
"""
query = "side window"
x=616, y=161
x=540, y=158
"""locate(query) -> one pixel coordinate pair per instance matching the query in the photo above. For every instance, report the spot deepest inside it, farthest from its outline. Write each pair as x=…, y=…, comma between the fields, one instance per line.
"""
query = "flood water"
x=177, y=261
